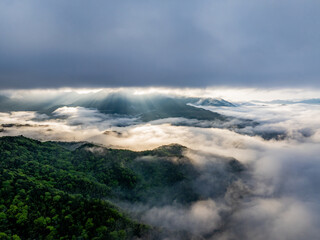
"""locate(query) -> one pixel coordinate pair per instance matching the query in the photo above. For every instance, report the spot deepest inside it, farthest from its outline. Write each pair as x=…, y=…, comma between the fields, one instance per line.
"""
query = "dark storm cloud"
x=159, y=43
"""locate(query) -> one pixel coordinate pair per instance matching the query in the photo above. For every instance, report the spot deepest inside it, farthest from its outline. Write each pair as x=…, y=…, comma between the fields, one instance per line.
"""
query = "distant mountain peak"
x=218, y=102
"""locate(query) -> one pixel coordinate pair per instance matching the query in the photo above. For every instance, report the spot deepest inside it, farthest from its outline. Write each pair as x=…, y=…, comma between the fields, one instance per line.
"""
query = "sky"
x=232, y=43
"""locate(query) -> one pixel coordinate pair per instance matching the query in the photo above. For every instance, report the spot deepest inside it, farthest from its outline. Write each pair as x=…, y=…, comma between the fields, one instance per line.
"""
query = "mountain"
x=140, y=108
x=146, y=107
x=44, y=196
x=52, y=190
x=214, y=102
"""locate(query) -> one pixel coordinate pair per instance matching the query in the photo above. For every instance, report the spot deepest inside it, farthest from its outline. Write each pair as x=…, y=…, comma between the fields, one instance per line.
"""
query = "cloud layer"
x=151, y=43
x=277, y=198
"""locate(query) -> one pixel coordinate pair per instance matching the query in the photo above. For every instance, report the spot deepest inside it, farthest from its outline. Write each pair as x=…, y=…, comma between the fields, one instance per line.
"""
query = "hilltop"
x=52, y=191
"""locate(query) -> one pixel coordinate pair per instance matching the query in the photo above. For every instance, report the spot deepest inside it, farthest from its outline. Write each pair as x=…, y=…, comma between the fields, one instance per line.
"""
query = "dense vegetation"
x=43, y=195
x=52, y=190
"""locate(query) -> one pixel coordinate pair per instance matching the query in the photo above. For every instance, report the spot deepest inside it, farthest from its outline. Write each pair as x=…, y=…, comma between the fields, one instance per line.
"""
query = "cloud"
x=295, y=121
x=91, y=117
x=266, y=219
x=201, y=218
x=182, y=43
x=232, y=94
x=277, y=196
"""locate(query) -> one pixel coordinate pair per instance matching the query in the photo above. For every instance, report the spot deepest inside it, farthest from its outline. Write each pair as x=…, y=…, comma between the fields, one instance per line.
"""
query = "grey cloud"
x=151, y=43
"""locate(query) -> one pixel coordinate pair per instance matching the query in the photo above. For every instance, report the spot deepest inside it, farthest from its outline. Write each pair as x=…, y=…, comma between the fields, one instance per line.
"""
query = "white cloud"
x=281, y=199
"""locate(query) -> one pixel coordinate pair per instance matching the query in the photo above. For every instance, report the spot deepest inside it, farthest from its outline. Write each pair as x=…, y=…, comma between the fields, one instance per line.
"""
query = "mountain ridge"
x=58, y=181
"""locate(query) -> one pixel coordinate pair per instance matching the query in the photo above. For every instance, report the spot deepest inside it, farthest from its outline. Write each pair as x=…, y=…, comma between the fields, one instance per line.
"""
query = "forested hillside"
x=52, y=190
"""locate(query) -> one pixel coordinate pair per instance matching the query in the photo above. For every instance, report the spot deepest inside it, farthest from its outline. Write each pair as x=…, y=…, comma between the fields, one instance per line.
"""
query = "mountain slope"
x=38, y=197
x=56, y=190
x=147, y=108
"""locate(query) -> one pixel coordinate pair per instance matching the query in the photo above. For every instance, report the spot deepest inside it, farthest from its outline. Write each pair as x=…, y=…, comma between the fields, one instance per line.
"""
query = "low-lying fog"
x=283, y=173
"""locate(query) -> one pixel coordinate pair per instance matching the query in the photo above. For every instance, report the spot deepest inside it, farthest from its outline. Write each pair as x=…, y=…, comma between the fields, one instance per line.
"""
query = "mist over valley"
x=201, y=168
